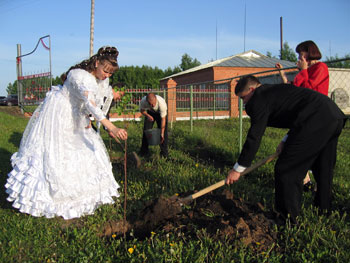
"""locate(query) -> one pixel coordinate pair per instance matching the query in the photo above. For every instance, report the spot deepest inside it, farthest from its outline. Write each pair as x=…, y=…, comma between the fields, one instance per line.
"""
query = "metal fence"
x=34, y=88
x=138, y=93
x=215, y=95
x=339, y=88
x=204, y=96
x=208, y=96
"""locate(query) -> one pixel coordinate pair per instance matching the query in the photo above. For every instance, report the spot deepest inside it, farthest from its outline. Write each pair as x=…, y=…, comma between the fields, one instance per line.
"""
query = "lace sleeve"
x=86, y=89
x=91, y=106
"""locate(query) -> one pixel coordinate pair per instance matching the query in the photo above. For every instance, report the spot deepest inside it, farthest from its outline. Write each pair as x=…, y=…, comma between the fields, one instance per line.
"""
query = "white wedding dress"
x=62, y=168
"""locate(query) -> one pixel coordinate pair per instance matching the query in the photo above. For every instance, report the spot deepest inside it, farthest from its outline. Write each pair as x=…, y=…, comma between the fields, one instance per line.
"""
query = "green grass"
x=197, y=160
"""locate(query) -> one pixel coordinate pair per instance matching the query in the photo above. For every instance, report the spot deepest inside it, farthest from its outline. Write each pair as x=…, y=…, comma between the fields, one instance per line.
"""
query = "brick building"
x=214, y=74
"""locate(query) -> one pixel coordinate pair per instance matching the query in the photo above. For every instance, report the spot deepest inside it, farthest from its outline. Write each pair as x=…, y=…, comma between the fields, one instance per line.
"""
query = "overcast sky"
x=159, y=32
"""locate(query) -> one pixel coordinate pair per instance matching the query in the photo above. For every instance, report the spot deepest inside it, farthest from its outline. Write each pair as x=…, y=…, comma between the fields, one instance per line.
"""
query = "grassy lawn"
x=196, y=160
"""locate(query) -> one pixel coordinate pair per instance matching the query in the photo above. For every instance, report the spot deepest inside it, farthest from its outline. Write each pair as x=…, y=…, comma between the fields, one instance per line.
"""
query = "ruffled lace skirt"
x=62, y=168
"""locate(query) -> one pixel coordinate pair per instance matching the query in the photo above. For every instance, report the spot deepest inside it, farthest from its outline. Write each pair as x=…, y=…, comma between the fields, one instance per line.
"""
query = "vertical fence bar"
x=19, y=74
x=240, y=103
x=214, y=104
x=191, y=107
x=50, y=61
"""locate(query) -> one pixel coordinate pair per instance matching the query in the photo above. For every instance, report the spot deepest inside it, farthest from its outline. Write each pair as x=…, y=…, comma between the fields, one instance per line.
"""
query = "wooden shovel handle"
x=222, y=182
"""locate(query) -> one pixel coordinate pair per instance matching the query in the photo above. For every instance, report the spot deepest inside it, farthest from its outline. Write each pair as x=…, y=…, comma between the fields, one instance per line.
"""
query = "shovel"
x=222, y=182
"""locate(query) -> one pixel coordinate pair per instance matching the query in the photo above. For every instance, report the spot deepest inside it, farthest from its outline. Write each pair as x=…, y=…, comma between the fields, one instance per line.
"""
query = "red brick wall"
x=230, y=72
x=204, y=75
x=193, y=77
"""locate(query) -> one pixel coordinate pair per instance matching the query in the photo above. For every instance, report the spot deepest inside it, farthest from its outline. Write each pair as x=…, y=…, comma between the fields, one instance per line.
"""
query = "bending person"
x=154, y=108
x=314, y=122
x=62, y=167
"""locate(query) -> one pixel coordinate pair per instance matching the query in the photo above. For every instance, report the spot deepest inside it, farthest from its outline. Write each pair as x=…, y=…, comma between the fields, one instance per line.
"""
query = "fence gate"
x=32, y=88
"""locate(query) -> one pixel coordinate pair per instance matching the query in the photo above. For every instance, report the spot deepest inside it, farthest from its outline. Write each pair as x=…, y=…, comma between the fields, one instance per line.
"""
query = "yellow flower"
x=131, y=250
x=134, y=246
x=177, y=194
x=197, y=164
x=172, y=244
x=258, y=243
x=153, y=233
x=114, y=235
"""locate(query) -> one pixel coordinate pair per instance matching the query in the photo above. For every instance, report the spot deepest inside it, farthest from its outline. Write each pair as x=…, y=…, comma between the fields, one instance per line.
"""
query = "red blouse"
x=315, y=77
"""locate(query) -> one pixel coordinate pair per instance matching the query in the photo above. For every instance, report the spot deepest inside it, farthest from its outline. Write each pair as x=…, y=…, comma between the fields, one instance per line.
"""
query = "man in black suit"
x=314, y=122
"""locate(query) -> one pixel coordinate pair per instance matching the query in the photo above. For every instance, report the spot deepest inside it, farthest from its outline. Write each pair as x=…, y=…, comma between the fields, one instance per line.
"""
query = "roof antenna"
x=245, y=18
x=216, y=50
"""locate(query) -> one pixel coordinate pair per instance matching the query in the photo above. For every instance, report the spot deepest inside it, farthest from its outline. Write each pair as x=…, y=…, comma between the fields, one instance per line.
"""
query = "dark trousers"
x=305, y=149
x=149, y=125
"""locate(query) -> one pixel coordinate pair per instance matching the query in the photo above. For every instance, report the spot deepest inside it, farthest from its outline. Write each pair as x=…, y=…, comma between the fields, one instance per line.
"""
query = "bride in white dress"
x=62, y=167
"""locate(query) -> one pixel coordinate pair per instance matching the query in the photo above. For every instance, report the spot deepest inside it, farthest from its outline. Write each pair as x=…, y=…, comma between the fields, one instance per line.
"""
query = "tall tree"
x=187, y=62
x=269, y=54
x=12, y=88
x=288, y=53
x=135, y=76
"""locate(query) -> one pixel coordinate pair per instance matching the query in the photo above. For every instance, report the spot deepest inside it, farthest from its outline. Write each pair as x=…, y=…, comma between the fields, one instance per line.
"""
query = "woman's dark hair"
x=104, y=54
x=311, y=48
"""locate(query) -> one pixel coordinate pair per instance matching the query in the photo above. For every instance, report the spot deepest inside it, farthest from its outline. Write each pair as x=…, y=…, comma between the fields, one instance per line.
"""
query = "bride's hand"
x=119, y=133
x=89, y=125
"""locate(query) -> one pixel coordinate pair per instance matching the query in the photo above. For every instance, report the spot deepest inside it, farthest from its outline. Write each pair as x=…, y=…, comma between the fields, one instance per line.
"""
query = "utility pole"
x=216, y=48
x=19, y=74
x=92, y=22
x=245, y=22
x=281, y=32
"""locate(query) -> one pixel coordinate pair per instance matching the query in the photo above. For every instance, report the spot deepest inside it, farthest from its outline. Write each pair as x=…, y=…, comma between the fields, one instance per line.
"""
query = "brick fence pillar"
x=171, y=100
x=234, y=111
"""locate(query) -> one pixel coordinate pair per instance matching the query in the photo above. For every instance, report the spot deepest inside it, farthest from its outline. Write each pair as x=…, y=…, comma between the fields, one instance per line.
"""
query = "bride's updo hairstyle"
x=106, y=56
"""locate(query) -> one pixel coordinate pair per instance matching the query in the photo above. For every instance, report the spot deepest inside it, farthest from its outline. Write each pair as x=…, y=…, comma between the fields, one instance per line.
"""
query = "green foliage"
x=57, y=81
x=146, y=76
x=187, y=62
x=121, y=107
x=12, y=88
x=288, y=53
x=131, y=76
x=169, y=71
x=269, y=54
x=334, y=62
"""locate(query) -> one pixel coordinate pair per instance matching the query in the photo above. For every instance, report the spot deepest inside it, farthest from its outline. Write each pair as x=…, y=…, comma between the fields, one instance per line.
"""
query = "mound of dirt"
x=14, y=111
x=222, y=216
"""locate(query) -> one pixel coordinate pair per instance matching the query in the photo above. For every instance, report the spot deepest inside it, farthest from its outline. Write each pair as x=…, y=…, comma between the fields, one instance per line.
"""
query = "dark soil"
x=222, y=216
x=12, y=110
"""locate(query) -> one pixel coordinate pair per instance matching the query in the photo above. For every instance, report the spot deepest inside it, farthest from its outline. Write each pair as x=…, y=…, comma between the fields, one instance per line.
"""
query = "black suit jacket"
x=285, y=106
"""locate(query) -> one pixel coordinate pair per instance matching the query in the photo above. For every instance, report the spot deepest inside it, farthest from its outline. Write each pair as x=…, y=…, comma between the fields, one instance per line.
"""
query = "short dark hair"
x=311, y=48
x=245, y=82
x=150, y=96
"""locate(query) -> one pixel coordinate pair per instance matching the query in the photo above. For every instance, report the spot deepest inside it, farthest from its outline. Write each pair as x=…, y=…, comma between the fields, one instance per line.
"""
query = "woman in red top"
x=313, y=74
